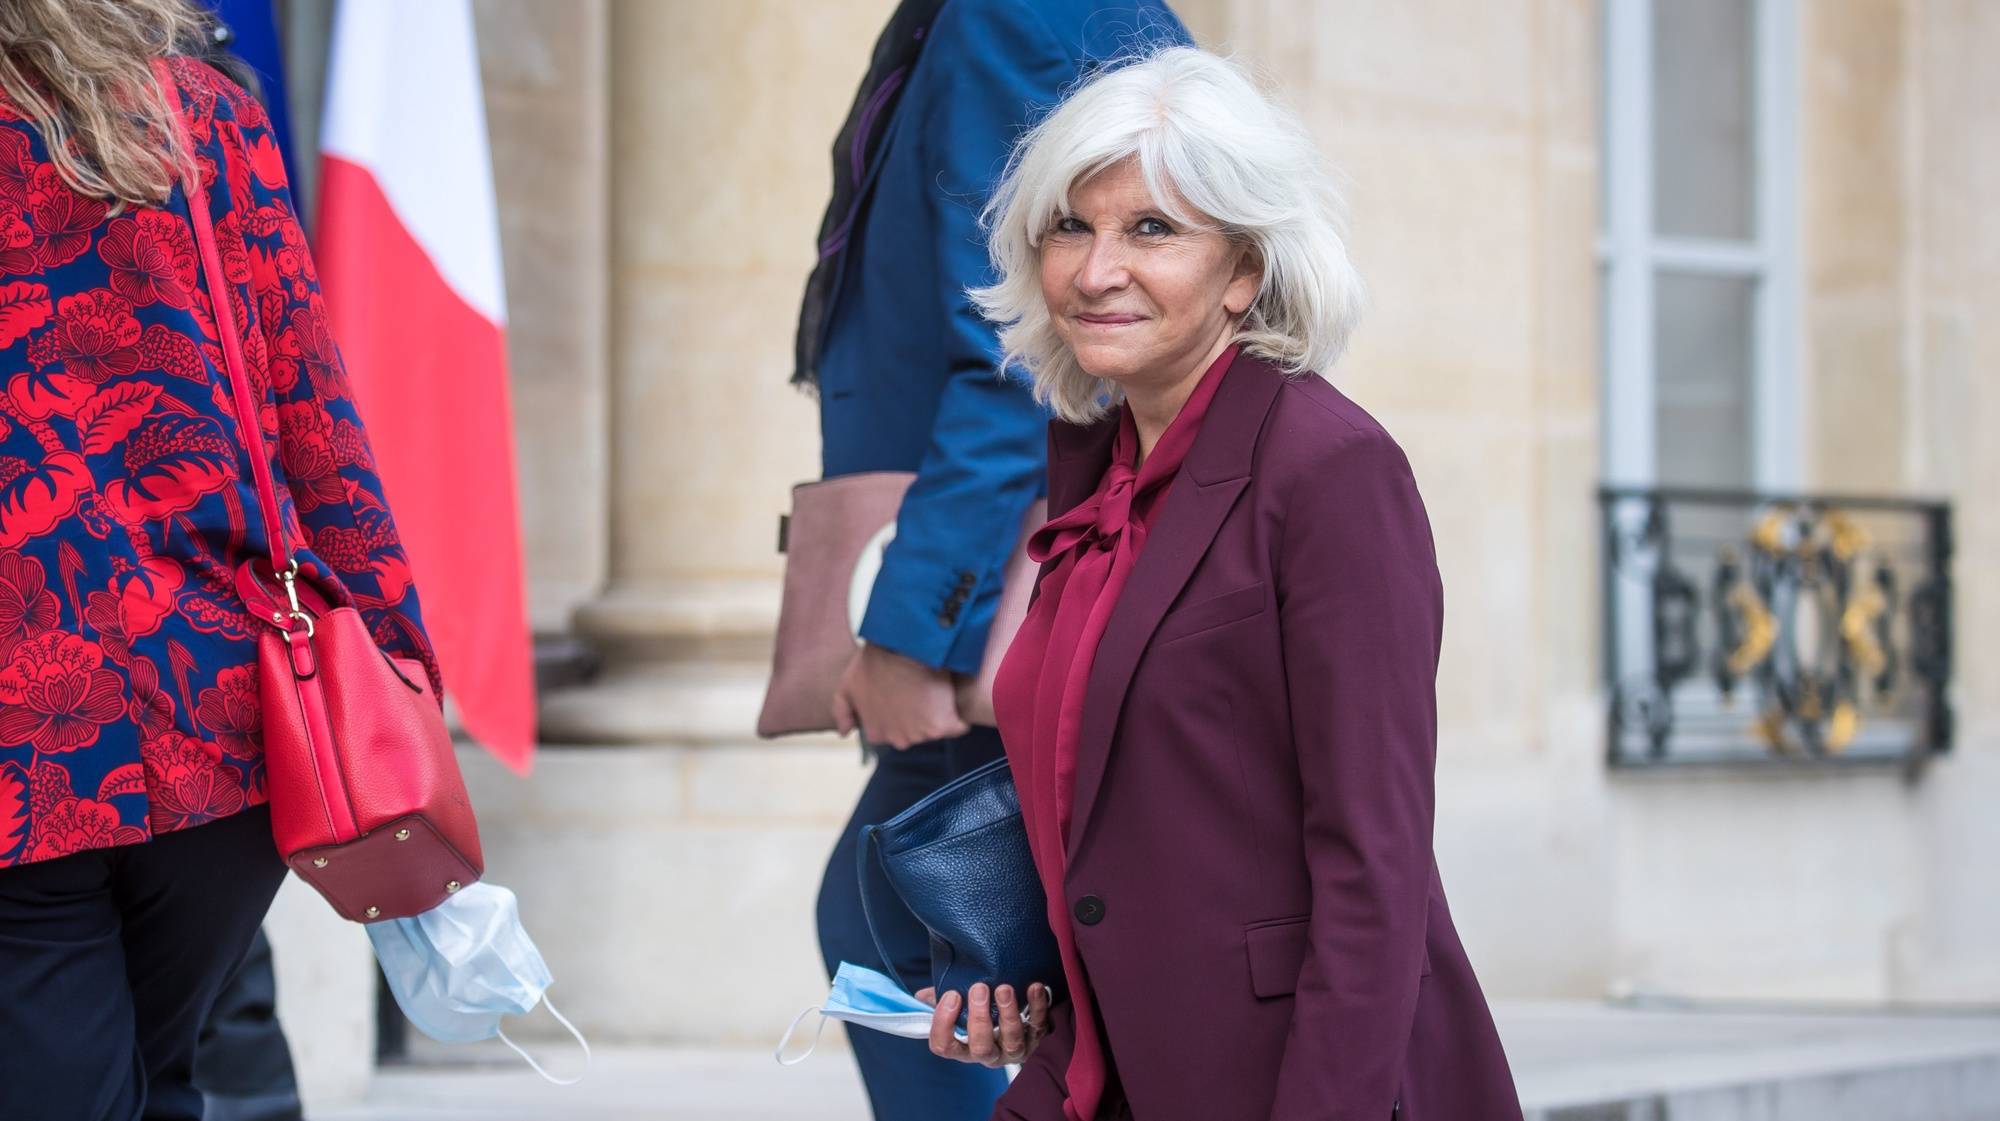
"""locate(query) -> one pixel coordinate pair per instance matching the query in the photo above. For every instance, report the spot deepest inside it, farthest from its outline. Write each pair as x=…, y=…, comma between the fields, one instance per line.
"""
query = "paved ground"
x=624, y=1084
x=1565, y=1056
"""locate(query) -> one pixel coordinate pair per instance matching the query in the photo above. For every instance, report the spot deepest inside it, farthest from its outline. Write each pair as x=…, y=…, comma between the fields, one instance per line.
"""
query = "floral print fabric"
x=128, y=683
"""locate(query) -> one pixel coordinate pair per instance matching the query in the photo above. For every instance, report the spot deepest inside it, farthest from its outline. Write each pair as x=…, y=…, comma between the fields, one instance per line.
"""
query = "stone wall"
x=1467, y=133
x=1952, y=348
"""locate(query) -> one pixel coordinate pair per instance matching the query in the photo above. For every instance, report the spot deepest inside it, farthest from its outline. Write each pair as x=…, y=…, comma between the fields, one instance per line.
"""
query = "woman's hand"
x=1012, y=1042
x=896, y=701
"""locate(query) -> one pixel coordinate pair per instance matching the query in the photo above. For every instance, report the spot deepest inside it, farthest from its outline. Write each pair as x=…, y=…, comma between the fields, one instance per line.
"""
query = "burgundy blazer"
x=1250, y=865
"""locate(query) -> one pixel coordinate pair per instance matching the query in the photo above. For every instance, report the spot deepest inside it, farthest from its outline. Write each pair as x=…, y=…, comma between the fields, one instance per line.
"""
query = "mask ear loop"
x=779, y=1054
x=530, y=1059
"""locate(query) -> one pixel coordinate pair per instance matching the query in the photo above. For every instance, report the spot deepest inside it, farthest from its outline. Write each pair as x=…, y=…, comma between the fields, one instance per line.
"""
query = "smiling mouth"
x=1110, y=320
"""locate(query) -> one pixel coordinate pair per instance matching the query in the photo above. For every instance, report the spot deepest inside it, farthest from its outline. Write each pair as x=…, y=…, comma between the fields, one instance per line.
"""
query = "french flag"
x=409, y=261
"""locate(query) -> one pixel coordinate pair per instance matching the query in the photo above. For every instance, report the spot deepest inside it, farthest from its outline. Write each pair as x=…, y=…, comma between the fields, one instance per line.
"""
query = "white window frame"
x=1631, y=254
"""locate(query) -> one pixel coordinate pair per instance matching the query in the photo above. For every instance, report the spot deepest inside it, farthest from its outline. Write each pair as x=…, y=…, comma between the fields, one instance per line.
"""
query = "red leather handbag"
x=367, y=803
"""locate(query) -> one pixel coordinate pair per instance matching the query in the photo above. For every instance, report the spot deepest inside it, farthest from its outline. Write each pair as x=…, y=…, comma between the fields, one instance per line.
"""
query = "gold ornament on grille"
x=1760, y=629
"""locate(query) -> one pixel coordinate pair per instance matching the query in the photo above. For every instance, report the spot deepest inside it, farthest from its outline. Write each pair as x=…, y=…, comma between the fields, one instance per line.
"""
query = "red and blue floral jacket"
x=128, y=688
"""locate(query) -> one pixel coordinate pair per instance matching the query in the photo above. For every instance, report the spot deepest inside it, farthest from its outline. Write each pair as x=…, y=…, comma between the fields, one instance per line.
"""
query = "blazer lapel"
x=1216, y=471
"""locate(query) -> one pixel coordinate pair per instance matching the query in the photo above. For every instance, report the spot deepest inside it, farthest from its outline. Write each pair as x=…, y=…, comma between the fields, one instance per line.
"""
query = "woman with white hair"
x=1220, y=711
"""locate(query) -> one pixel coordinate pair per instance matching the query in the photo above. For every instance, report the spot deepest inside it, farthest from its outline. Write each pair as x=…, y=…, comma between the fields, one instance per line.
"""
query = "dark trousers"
x=110, y=961
x=905, y=1081
x=242, y=1064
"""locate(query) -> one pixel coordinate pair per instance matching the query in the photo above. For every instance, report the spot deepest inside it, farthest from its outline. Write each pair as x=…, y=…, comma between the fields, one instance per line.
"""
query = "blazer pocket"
x=1277, y=951
x=1213, y=612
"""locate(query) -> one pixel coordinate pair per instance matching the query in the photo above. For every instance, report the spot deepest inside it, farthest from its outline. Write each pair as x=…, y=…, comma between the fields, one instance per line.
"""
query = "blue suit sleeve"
x=986, y=463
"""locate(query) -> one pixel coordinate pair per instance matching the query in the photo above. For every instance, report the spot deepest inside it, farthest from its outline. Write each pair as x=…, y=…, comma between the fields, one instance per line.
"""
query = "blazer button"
x=967, y=580
x=946, y=619
x=1090, y=910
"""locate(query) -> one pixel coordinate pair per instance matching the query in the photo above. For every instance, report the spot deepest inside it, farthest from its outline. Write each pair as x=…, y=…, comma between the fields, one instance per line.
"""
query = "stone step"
x=1574, y=1062
x=1582, y=1062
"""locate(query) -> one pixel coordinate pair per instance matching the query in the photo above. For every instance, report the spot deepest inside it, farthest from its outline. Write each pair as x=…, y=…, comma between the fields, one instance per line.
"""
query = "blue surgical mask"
x=461, y=966
x=867, y=999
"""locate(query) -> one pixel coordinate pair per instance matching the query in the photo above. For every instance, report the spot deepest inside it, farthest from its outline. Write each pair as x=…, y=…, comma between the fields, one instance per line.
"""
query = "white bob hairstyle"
x=1216, y=153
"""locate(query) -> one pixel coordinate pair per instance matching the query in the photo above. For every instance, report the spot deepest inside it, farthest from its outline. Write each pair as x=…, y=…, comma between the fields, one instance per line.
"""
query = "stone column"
x=666, y=860
x=721, y=124
x=547, y=108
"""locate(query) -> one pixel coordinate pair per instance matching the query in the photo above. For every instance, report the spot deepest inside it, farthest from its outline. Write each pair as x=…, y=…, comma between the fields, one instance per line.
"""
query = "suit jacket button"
x=946, y=619
x=1090, y=910
x=967, y=580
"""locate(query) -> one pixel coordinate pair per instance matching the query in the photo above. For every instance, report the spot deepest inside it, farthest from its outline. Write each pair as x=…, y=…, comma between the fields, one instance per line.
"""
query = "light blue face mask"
x=866, y=999
x=459, y=967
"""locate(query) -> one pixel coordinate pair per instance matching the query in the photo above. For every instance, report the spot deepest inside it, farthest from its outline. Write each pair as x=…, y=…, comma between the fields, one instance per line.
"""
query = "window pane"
x=1604, y=154
x=1705, y=404
x=1703, y=118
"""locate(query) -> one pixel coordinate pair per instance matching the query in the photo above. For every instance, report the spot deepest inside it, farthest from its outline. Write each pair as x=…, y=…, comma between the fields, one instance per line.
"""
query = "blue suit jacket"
x=909, y=370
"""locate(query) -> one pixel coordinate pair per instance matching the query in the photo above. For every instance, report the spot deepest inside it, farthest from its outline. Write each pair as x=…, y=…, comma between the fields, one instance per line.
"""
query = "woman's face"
x=1139, y=298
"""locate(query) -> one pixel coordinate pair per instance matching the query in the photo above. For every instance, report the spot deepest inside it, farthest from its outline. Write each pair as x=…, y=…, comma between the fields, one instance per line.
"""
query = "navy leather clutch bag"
x=959, y=859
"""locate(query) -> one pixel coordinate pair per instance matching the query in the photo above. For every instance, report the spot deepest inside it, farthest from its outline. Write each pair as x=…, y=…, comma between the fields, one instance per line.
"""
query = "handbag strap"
x=245, y=402
x=869, y=856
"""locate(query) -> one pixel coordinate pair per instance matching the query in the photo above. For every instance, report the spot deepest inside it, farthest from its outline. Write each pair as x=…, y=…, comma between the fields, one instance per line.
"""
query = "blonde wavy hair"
x=81, y=71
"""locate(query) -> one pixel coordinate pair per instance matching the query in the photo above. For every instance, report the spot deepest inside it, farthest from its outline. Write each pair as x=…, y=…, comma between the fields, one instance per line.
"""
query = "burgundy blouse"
x=1039, y=691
